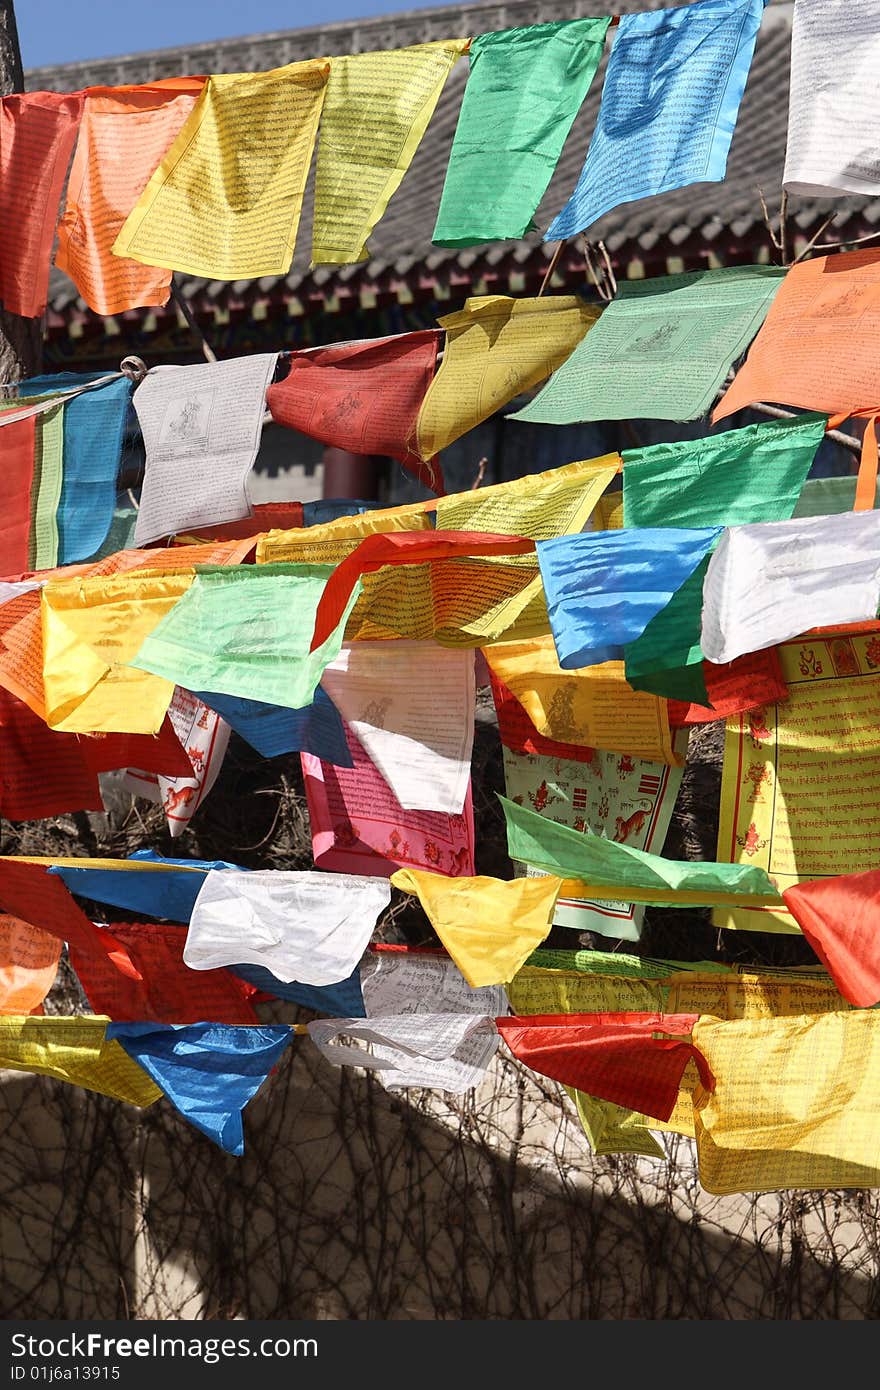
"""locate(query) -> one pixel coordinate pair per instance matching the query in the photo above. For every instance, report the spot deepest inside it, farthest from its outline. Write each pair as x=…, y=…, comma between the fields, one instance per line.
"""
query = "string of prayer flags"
x=358, y=825
x=201, y=427
x=525, y=87
x=489, y=927
x=794, y=1104
x=595, y=860
x=245, y=630
x=92, y=630
x=411, y=707
x=141, y=884
x=400, y=548
x=42, y=773
x=593, y=708
x=446, y=1051
x=633, y=796
x=833, y=113
x=799, y=778
x=768, y=582
x=37, y=131
x=166, y=990
x=661, y=349
x=840, y=918
x=495, y=348
x=634, y=1060
x=75, y=1050
x=703, y=482
x=93, y=431
x=308, y=926
x=376, y=110
x=209, y=1071
x=28, y=965
x=273, y=729
x=341, y=1000
x=205, y=737
x=123, y=134
x=363, y=397
x=604, y=587
x=816, y=346
x=225, y=201
x=669, y=105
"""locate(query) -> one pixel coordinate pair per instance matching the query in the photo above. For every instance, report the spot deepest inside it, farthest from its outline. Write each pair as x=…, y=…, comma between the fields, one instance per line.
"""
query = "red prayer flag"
x=42, y=772
x=364, y=397
x=840, y=917
x=17, y=444
x=403, y=548
x=616, y=1056
x=749, y=682
x=268, y=516
x=161, y=753
x=37, y=131
x=167, y=991
x=30, y=892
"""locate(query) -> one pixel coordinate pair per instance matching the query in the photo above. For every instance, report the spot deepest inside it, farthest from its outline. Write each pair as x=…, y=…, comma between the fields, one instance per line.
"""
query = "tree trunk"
x=20, y=341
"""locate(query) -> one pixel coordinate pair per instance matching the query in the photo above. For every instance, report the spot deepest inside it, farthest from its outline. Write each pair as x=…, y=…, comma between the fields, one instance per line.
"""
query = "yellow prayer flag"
x=75, y=1050
x=495, y=348
x=225, y=201
x=794, y=1105
x=91, y=629
x=489, y=927
x=376, y=111
x=800, y=794
x=331, y=542
x=593, y=707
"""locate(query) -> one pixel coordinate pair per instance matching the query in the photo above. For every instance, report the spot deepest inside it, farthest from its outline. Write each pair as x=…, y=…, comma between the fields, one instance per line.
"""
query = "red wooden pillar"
x=350, y=475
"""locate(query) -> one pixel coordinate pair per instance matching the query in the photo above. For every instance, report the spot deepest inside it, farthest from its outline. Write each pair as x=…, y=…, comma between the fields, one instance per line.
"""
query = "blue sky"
x=64, y=31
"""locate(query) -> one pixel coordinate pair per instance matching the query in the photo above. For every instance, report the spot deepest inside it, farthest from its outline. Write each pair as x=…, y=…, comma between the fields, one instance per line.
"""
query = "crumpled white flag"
x=396, y=983
x=309, y=927
x=413, y=1049
x=411, y=707
x=773, y=580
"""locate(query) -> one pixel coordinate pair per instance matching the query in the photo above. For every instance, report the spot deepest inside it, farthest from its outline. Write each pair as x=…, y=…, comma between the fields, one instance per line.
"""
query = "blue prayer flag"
x=209, y=1071
x=671, y=97
x=275, y=729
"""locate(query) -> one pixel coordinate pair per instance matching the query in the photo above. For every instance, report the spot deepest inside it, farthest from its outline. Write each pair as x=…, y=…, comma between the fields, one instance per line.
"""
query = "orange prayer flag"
x=28, y=966
x=840, y=917
x=818, y=343
x=37, y=131
x=123, y=135
x=620, y=1057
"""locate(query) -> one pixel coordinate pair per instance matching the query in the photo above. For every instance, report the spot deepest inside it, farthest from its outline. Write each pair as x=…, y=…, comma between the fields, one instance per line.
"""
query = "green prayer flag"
x=525, y=88
x=245, y=630
x=661, y=349
x=46, y=487
x=619, y=963
x=731, y=479
x=557, y=849
x=829, y=496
